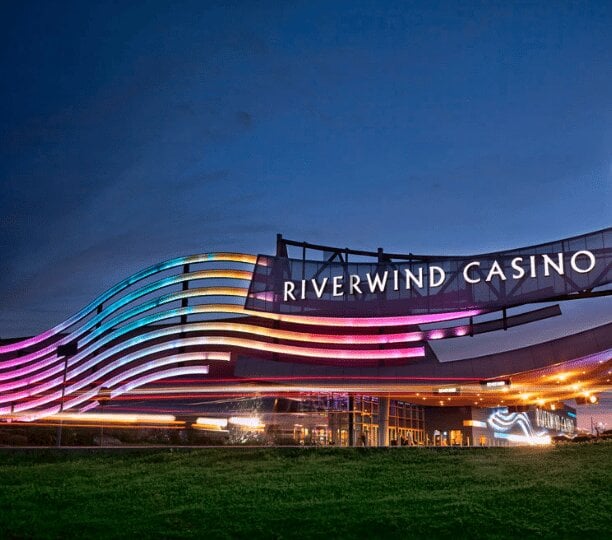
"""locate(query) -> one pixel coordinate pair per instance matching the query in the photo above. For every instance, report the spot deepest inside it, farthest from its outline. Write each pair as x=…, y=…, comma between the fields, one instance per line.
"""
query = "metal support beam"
x=351, y=420
x=383, y=421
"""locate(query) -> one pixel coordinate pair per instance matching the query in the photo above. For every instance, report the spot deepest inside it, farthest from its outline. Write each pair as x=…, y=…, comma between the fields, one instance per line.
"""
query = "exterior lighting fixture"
x=449, y=390
x=496, y=383
x=588, y=399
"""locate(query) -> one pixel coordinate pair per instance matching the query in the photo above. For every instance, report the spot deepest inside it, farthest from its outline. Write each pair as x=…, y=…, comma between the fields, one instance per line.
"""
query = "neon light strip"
x=19, y=407
x=271, y=389
x=29, y=369
x=187, y=357
x=32, y=391
x=121, y=418
x=361, y=321
x=189, y=370
x=349, y=339
x=32, y=356
x=39, y=414
x=90, y=406
x=86, y=396
x=344, y=354
x=147, y=272
x=300, y=319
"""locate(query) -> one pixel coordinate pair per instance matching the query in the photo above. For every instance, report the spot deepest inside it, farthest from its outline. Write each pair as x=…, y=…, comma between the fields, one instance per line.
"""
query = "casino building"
x=324, y=345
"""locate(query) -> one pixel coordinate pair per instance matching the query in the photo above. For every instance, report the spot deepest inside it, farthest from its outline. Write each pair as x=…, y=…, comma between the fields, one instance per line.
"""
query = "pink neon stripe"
x=33, y=355
x=189, y=370
x=39, y=414
x=30, y=341
x=82, y=397
x=32, y=391
x=28, y=369
x=90, y=406
x=366, y=321
x=30, y=380
x=40, y=401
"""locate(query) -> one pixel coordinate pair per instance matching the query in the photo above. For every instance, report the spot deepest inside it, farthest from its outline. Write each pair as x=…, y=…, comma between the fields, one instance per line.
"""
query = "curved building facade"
x=340, y=332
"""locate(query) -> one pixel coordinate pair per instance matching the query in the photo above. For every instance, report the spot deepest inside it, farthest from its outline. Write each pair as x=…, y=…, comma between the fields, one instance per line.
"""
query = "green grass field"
x=556, y=492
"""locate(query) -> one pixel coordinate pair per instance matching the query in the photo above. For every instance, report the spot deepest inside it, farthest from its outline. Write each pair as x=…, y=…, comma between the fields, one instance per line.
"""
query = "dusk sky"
x=134, y=133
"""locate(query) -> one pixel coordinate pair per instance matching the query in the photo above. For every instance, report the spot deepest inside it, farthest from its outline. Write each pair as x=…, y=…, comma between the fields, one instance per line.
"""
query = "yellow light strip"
x=349, y=339
x=348, y=322
x=115, y=418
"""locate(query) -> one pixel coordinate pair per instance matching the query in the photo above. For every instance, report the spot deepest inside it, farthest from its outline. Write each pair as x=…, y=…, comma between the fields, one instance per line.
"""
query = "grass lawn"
x=556, y=492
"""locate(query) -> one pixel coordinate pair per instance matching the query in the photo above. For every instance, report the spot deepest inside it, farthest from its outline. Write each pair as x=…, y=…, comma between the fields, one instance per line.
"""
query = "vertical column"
x=383, y=421
x=185, y=300
x=98, y=311
x=351, y=420
x=184, y=304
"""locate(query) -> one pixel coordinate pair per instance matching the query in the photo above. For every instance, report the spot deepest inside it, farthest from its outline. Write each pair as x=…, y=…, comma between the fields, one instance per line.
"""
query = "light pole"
x=67, y=350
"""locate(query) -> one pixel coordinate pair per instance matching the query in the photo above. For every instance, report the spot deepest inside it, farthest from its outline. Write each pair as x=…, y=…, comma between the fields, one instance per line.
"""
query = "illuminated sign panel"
x=410, y=284
x=554, y=421
x=536, y=426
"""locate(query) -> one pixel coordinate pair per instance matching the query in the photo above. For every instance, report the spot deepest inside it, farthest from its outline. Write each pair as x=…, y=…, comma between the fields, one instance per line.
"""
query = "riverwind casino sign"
x=415, y=284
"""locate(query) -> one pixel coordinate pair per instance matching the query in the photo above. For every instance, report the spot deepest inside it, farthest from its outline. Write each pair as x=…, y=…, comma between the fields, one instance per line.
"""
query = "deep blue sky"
x=130, y=134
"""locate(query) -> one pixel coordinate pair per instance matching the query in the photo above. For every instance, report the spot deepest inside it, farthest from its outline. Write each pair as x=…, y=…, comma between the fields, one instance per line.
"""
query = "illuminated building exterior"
x=336, y=342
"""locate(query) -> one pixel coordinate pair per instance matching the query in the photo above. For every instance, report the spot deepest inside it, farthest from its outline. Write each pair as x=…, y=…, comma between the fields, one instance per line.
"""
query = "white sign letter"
x=411, y=277
x=354, y=282
x=337, y=285
x=378, y=282
x=467, y=278
x=432, y=277
x=586, y=253
x=288, y=292
x=319, y=291
x=549, y=262
x=519, y=269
